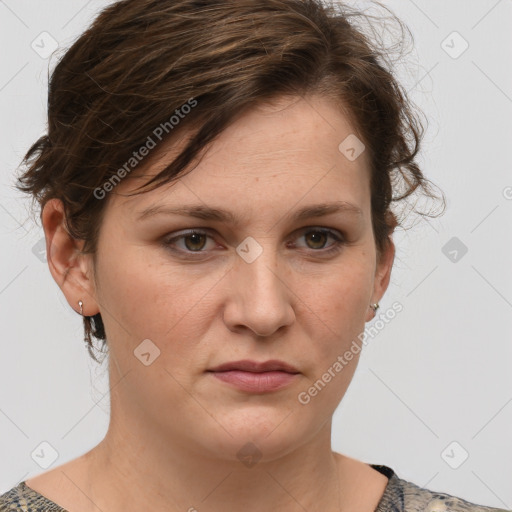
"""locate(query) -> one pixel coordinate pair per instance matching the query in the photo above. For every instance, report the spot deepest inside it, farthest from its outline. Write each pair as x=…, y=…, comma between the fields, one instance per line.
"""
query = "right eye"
x=193, y=241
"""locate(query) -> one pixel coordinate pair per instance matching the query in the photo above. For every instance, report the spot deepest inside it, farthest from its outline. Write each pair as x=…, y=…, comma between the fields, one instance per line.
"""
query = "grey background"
x=437, y=373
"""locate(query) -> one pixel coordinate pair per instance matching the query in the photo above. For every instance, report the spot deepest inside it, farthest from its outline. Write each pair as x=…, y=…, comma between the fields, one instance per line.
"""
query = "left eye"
x=319, y=237
x=195, y=241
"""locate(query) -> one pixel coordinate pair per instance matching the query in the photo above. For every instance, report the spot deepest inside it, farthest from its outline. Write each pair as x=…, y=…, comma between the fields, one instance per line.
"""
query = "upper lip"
x=255, y=366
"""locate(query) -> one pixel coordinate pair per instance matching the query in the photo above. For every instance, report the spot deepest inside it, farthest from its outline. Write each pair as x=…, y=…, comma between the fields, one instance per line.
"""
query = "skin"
x=175, y=430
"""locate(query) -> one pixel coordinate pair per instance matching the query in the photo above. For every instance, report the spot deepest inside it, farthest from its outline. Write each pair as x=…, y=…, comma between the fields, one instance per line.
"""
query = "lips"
x=255, y=377
x=255, y=366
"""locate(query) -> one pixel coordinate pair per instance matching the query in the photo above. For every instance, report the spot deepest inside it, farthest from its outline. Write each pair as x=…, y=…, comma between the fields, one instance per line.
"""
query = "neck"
x=135, y=469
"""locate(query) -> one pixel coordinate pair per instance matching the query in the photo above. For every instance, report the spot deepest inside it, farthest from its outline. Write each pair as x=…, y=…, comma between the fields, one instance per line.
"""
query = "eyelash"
x=339, y=241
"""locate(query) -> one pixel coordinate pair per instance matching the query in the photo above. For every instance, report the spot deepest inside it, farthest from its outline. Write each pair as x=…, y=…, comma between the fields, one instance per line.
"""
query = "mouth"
x=256, y=377
x=247, y=365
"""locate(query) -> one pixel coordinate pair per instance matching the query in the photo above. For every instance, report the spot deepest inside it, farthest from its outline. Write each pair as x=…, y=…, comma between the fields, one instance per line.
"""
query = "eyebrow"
x=221, y=215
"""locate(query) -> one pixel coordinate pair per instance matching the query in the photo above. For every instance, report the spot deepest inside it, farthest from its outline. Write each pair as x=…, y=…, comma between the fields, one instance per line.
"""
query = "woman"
x=216, y=188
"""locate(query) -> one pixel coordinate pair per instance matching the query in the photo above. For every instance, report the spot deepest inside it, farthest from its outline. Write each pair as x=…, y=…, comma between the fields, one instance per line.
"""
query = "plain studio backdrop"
x=432, y=395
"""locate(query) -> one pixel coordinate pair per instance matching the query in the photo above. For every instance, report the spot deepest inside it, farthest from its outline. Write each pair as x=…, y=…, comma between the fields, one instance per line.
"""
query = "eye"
x=317, y=238
x=196, y=241
x=193, y=241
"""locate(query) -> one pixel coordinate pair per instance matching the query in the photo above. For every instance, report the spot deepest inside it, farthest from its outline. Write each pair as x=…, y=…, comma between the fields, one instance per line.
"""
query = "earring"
x=80, y=303
x=375, y=307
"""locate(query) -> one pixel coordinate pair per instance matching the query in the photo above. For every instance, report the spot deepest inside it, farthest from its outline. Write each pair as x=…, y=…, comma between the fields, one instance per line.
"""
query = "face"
x=263, y=283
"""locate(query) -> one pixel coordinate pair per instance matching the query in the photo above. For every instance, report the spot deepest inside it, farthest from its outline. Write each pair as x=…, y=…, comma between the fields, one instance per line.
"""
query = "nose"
x=259, y=297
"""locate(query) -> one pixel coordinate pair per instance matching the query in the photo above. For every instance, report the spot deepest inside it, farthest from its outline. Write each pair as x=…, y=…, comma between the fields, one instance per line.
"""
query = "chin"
x=256, y=433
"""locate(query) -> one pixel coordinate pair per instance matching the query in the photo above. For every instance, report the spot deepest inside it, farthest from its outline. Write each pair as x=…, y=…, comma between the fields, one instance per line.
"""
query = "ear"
x=382, y=275
x=71, y=270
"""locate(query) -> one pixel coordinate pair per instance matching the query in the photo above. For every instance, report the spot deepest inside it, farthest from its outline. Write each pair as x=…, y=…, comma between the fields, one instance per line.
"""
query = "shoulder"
x=24, y=499
x=404, y=496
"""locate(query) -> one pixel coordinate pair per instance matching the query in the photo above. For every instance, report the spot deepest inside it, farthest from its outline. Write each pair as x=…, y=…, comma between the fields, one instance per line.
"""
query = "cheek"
x=151, y=300
x=335, y=319
x=337, y=305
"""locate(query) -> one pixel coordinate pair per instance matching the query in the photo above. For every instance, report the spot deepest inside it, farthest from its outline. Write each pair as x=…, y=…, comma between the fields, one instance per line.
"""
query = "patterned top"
x=399, y=496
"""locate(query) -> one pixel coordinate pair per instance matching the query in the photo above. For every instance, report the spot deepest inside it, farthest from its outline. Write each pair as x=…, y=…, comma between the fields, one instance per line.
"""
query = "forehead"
x=279, y=151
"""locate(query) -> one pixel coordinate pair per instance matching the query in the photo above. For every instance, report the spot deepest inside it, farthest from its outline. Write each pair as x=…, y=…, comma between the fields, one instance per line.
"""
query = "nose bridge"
x=259, y=268
x=262, y=296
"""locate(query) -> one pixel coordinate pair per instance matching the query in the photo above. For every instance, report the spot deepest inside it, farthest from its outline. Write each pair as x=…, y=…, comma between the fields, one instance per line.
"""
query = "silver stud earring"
x=80, y=303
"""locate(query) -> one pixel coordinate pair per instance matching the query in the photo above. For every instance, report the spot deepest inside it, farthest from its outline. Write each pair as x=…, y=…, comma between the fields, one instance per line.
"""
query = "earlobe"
x=69, y=268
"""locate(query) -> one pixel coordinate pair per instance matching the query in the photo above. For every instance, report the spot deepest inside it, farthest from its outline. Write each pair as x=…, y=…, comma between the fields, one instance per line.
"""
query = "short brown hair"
x=141, y=60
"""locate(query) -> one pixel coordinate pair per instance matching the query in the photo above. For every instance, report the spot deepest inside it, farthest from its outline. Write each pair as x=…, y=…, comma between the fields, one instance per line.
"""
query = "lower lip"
x=258, y=382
